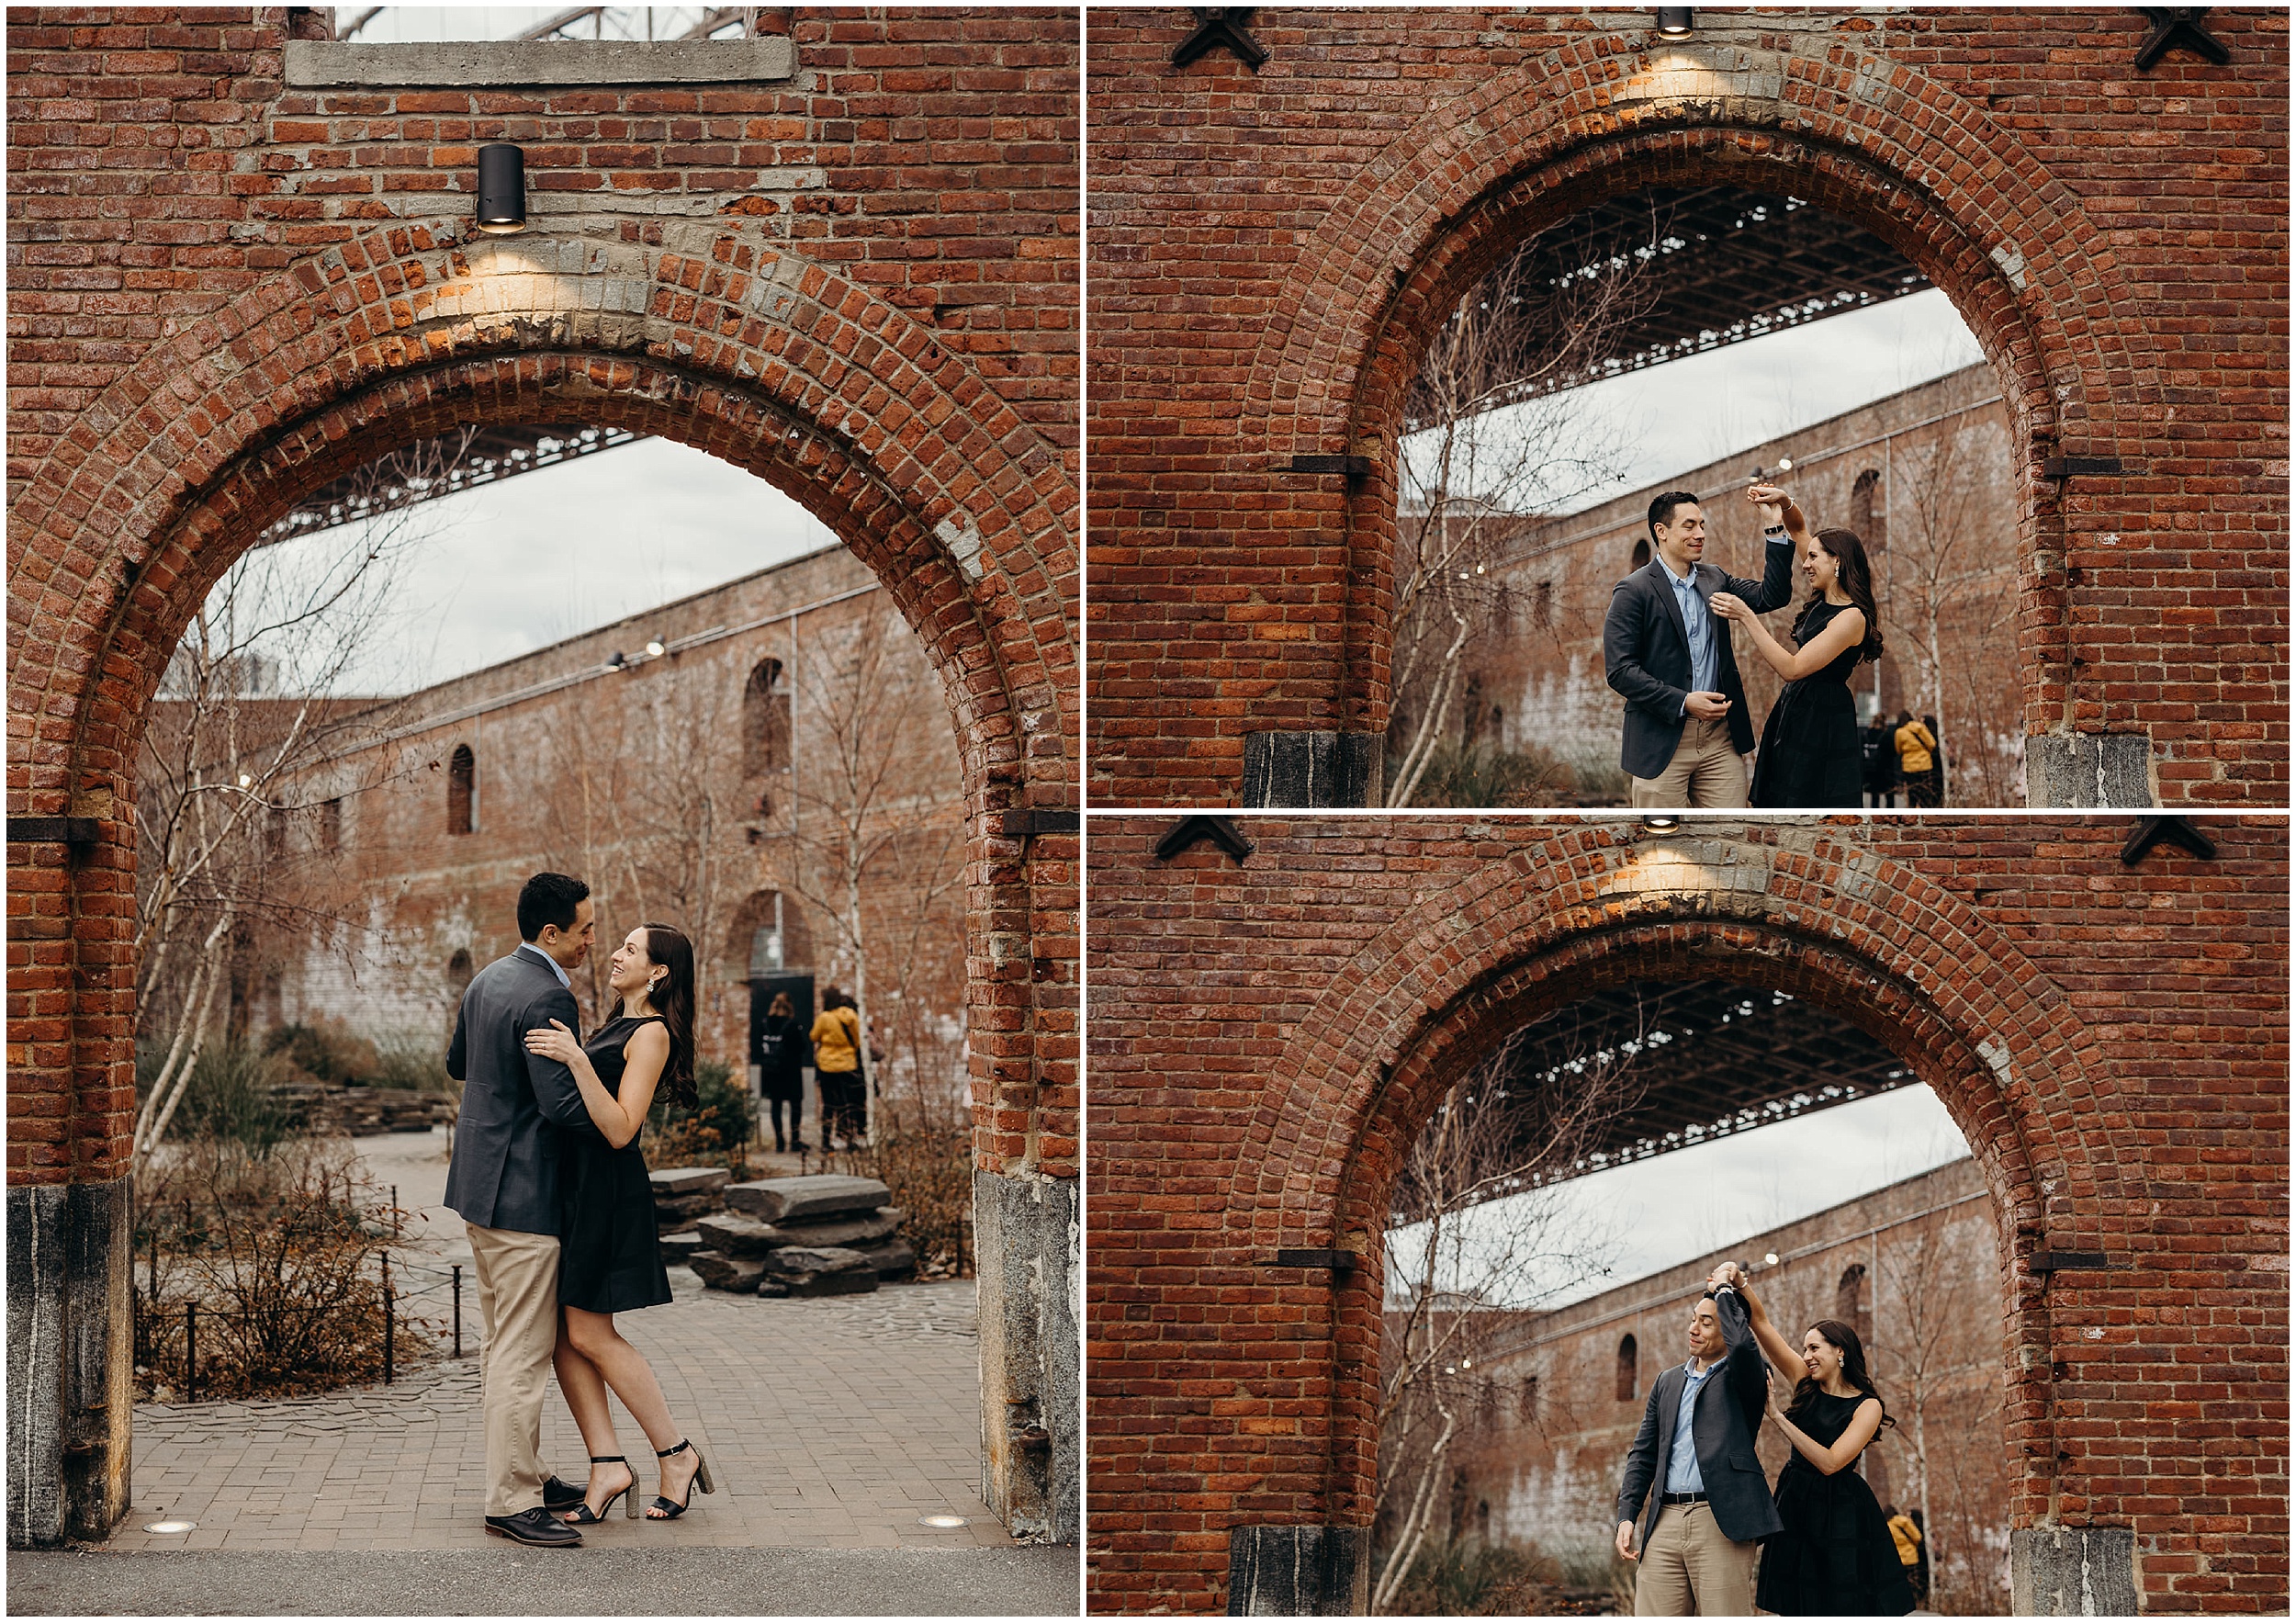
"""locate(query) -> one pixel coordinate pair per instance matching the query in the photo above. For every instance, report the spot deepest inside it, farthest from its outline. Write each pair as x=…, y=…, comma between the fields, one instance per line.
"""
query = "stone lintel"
x=315, y=64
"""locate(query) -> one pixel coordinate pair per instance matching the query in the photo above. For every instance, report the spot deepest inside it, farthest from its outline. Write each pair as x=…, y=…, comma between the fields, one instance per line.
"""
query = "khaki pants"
x=1689, y=1569
x=1707, y=770
x=518, y=1302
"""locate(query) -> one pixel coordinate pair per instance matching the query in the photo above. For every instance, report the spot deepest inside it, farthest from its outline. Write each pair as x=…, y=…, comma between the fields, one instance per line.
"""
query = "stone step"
x=738, y=1235
x=738, y=1274
x=817, y=1271
x=822, y=1194
x=688, y=1180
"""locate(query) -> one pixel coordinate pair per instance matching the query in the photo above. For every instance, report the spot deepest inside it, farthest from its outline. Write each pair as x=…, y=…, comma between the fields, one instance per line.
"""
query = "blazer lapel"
x=1664, y=581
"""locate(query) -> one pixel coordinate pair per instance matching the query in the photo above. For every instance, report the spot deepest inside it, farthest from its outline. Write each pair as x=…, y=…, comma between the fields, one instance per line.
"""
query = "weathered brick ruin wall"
x=599, y=777
x=243, y=263
x=1546, y=1448
x=1272, y=247
x=1267, y=1039
x=1939, y=524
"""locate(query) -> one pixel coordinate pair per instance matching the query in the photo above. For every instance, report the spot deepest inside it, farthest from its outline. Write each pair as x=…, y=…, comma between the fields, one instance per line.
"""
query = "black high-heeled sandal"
x=584, y=1516
x=670, y=1509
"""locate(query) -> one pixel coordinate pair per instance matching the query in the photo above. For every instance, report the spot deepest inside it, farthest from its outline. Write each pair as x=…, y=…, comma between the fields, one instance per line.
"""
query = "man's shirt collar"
x=556, y=968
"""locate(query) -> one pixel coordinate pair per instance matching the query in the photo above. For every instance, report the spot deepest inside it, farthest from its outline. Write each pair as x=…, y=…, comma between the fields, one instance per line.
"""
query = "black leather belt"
x=1682, y=1498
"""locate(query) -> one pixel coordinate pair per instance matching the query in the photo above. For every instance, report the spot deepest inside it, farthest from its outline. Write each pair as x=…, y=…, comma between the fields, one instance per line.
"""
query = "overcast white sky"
x=1683, y=1204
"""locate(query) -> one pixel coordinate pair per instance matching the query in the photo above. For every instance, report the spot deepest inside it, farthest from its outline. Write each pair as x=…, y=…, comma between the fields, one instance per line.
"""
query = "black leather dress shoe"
x=558, y=1493
x=533, y=1526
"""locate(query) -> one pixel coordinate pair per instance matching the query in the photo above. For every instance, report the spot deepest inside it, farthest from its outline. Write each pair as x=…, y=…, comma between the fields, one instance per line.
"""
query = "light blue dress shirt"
x=556, y=968
x=1682, y=1461
x=1698, y=625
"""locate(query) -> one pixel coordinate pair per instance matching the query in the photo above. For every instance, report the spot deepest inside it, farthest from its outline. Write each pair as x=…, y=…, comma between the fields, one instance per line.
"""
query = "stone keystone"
x=825, y=1194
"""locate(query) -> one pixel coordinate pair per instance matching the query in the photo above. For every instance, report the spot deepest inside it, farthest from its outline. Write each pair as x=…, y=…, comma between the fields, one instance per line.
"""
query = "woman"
x=781, y=1070
x=1810, y=754
x=609, y=1261
x=836, y=1070
x=1835, y=1556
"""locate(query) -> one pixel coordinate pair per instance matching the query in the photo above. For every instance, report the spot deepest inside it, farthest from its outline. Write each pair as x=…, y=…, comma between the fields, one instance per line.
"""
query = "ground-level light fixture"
x=943, y=1521
x=1661, y=825
x=169, y=1526
x=501, y=188
x=1674, y=21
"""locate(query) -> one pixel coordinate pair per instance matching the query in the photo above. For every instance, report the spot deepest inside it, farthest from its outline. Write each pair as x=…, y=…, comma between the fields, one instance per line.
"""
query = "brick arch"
x=1865, y=938
x=1873, y=141
x=954, y=501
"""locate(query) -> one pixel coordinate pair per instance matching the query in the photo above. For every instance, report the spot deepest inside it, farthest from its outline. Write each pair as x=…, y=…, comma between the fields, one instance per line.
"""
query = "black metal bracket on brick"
x=1037, y=819
x=1338, y=1262
x=1203, y=826
x=2150, y=831
x=54, y=831
x=1357, y=469
x=2071, y=468
x=2055, y=1262
x=1221, y=27
x=2177, y=27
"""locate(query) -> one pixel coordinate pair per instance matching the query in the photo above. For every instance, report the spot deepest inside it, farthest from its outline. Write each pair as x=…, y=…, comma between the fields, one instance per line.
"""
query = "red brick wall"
x=1269, y=249
x=2112, y=1041
x=858, y=283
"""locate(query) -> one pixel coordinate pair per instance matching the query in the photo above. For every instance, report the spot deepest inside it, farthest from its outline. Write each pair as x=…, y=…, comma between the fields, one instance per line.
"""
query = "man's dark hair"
x=548, y=898
x=1662, y=509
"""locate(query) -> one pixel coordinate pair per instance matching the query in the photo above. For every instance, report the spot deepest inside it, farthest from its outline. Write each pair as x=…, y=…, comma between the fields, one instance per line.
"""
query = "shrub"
x=281, y=1252
x=231, y=1094
x=1487, y=777
x=415, y=1058
x=930, y=1174
x=1469, y=1578
x=325, y=1050
x=713, y=1132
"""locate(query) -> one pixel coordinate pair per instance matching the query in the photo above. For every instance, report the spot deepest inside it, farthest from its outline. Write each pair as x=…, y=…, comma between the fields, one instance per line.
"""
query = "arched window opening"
x=1625, y=1368
x=1641, y=554
x=1852, y=1306
x=1527, y=1401
x=462, y=790
x=1543, y=605
x=458, y=973
x=331, y=827
x=1867, y=516
x=765, y=721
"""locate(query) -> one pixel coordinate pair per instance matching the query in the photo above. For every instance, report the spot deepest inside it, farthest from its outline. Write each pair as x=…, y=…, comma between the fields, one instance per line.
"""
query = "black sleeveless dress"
x=1809, y=746
x=1835, y=1557
x=608, y=1259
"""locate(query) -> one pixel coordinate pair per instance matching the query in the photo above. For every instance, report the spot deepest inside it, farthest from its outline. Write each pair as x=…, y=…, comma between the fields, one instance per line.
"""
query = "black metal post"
x=191, y=1351
x=458, y=1309
x=394, y=1214
x=389, y=1325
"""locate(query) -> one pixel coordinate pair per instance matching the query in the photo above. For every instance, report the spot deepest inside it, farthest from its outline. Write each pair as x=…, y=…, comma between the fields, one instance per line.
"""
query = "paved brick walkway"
x=829, y=1424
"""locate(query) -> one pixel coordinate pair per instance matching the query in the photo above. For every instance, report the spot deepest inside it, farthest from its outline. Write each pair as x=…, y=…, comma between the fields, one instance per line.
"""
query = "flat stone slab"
x=817, y=1270
x=679, y=1247
x=688, y=1180
x=736, y=1235
x=738, y=1274
x=893, y=1259
x=824, y=1194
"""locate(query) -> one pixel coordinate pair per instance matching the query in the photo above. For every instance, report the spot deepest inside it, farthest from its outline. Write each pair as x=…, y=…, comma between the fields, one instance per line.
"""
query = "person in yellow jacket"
x=1914, y=760
x=836, y=1066
x=1906, y=1533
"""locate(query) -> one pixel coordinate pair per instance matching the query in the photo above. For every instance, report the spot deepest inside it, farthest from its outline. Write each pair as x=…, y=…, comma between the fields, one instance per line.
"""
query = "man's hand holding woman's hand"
x=555, y=1044
x=1773, y=500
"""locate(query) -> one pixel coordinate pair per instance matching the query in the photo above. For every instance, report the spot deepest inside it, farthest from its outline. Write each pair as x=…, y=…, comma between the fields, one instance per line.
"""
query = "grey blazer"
x=1645, y=653
x=504, y=1171
x=1723, y=1422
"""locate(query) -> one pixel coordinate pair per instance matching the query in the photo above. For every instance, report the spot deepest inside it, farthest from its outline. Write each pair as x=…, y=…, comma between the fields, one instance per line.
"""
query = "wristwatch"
x=1773, y=529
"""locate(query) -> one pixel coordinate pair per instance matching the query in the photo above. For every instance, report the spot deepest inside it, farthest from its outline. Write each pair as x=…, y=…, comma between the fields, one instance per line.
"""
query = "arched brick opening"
x=955, y=502
x=1865, y=938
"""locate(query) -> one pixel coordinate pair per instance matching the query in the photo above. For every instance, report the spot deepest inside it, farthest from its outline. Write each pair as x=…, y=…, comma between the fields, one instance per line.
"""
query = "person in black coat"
x=1685, y=736
x=780, y=1058
x=1694, y=1461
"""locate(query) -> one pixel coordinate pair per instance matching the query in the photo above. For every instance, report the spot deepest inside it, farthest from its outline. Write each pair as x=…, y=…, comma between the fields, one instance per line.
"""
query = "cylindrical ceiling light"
x=1673, y=21
x=501, y=188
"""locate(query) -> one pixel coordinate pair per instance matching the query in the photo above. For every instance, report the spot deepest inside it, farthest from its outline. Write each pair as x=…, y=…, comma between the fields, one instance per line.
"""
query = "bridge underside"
x=1669, y=1066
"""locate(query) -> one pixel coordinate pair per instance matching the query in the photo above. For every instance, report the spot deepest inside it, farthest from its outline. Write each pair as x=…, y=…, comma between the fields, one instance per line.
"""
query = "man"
x=503, y=1181
x=1686, y=734
x=1696, y=1447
